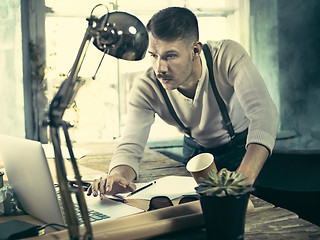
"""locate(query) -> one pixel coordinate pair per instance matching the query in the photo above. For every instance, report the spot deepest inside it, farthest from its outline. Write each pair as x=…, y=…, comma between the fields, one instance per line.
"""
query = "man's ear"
x=197, y=47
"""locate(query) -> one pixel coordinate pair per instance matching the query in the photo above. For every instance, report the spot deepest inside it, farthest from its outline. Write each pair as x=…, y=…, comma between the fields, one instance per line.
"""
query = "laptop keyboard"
x=93, y=215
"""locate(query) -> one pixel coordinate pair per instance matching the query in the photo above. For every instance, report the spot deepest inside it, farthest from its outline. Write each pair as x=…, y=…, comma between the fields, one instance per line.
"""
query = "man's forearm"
x=253, y=161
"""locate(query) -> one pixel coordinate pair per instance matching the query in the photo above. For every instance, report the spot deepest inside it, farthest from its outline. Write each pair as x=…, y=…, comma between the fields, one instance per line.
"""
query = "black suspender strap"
x=222, y=106
x=171, y=109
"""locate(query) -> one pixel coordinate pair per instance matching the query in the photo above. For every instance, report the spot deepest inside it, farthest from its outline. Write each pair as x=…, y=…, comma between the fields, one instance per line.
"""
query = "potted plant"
x=224, y=199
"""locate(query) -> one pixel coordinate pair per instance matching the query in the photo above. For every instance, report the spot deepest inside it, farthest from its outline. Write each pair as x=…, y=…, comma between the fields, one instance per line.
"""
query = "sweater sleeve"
x=253, y=96
x=140, y=117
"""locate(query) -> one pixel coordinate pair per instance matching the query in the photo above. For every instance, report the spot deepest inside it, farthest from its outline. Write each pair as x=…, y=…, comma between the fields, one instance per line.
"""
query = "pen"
x=117, y=198
x=112, y=197
x=142, y=188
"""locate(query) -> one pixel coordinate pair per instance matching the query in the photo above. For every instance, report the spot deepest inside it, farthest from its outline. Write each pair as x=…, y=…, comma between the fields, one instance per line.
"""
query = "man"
x=180, y=67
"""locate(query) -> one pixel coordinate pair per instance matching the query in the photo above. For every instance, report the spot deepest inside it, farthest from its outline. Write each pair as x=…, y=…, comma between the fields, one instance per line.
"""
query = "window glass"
x=11, y=90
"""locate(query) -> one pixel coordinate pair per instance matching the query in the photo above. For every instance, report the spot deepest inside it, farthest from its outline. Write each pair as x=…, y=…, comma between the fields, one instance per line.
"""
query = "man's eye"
x=171, y=56
x=153, y=55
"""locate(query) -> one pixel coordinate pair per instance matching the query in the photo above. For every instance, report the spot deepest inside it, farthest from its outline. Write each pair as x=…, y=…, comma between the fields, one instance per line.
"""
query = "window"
x=100, y=107
x=11, y=90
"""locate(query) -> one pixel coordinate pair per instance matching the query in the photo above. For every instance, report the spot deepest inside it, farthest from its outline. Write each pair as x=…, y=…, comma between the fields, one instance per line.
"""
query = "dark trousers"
x=228, y=155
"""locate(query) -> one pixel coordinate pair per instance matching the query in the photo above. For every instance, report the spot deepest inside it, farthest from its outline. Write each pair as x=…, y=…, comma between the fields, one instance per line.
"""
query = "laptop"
x=29, y=175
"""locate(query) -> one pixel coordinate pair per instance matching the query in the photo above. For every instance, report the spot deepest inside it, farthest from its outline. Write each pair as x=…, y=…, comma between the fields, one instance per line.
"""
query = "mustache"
x=163, y=76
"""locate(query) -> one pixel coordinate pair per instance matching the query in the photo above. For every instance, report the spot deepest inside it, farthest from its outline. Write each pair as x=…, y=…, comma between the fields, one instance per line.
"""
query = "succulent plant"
x=223, y=184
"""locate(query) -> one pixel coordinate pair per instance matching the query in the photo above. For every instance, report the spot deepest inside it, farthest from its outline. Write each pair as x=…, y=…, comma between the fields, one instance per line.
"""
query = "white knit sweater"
x=240, y=86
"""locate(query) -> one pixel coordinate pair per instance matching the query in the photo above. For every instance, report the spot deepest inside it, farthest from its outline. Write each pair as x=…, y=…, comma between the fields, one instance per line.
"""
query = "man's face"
x=171, y=61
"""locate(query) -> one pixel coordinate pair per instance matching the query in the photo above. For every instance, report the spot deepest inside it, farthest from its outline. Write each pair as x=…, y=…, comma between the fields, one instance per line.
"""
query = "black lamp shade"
x=124, y=36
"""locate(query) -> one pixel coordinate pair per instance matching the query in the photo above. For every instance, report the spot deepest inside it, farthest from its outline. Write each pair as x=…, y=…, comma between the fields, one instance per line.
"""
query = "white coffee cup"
x=200, y=165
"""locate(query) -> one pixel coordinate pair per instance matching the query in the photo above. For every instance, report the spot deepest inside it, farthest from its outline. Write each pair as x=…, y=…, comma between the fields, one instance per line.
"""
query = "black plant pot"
x=224, y=216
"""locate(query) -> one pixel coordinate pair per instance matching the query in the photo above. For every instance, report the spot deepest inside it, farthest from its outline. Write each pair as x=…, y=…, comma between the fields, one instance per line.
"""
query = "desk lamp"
x=120, y=35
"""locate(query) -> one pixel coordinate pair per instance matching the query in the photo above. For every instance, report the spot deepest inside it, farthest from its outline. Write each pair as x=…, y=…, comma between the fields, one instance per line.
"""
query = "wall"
x=264, y=43
x=299, y=48
x=285, y=48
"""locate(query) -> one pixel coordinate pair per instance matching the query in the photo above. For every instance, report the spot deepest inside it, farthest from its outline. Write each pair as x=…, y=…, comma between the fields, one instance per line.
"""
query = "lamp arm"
x=62, y=100
x=69, y=88
x=67, y=203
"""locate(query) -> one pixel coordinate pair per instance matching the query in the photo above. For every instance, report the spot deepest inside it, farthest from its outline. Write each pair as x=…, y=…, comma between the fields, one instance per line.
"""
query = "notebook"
x=29, y=175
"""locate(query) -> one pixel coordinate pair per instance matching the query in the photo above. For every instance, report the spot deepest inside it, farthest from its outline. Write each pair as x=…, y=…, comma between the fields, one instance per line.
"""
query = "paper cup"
x=200, y=165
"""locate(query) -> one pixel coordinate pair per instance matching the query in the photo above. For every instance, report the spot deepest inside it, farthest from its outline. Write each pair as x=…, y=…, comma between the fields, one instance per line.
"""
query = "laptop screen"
x=29, y=175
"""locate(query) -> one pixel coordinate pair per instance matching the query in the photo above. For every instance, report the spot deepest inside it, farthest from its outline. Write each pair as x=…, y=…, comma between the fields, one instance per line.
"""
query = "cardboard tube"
x=143, y=225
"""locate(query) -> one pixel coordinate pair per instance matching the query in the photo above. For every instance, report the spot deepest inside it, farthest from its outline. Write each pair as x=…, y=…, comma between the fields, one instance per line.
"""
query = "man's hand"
x=253, y=162
x=119, y=181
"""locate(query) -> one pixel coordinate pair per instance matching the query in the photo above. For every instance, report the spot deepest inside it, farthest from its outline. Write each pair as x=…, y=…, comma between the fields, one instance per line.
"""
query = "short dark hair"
x=174, y=23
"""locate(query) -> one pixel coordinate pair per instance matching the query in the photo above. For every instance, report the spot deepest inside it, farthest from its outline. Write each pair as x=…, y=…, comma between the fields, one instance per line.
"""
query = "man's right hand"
x=118, y=181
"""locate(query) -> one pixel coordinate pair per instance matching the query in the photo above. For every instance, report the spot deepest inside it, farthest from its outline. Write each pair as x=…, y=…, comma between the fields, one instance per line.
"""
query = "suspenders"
x=220, y=102
x=171, y=109
x=222, y=106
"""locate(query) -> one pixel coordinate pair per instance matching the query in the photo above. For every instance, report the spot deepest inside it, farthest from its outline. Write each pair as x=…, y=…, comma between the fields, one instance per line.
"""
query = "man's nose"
x=161, y=66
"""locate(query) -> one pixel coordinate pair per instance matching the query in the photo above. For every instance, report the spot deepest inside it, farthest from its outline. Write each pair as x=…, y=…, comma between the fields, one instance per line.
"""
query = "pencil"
x=142, y=188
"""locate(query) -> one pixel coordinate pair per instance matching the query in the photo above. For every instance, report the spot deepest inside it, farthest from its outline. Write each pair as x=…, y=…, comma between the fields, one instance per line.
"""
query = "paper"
x=111, y=208
x=170, y=186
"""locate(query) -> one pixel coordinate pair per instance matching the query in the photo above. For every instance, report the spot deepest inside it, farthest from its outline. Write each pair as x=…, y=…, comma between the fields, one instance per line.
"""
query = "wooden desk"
x=265, y=222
